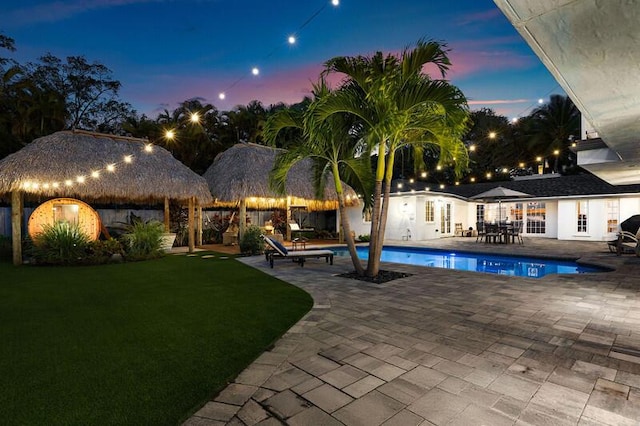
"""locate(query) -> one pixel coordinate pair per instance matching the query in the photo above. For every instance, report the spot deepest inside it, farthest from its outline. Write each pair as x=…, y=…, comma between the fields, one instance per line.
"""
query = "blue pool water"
x=478, y=262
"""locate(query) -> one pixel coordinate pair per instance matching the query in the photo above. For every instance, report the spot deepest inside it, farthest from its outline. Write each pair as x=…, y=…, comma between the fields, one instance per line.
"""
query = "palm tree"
x=331, y=145
x=552, y=127
x=399, y=106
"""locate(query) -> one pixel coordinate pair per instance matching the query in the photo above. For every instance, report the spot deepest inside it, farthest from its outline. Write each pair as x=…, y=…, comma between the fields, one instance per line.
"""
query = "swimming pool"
x=477, y=262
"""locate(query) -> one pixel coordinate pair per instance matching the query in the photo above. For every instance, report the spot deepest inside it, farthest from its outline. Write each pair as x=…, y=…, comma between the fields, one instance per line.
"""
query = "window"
x=613, y=215
x=516, y=212
x=480, y=213
x=536, y=218
x=581, y=210
x=429, y=211
x=65, y=213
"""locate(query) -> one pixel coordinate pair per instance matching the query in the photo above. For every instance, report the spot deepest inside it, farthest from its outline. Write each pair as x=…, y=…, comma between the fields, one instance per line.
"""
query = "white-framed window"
x=429, y=211
x=613, y=215
x=536, y=218
x=582, y=208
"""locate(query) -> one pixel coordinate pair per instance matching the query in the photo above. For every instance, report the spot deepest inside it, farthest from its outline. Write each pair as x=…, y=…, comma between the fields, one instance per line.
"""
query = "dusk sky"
x=167, y=51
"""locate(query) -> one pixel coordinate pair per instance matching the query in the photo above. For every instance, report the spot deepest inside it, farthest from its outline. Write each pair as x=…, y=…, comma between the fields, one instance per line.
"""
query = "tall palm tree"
x=400, y=106
x=331, y=144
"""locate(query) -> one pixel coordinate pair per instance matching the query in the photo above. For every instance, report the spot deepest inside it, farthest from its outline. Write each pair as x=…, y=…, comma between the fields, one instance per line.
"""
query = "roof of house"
x=547, y=186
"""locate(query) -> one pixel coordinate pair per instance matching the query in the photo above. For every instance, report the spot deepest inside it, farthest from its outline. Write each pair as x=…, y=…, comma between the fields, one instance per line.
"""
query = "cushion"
x=276, y=246
x=294, y=226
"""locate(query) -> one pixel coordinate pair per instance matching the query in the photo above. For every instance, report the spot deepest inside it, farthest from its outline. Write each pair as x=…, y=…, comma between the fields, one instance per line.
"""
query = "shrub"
x=62, y=243
x=102, y=251
x=364, y=238
x=251, y=242
x=143, y=240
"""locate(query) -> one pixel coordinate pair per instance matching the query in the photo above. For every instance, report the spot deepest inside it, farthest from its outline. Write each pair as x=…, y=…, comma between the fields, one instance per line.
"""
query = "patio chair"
x=626, y=243
x=278, y=251
x=458, y=231
x=516, y=232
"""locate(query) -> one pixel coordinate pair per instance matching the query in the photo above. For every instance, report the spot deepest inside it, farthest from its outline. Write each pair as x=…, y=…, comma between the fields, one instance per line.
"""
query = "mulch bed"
x=383, y=276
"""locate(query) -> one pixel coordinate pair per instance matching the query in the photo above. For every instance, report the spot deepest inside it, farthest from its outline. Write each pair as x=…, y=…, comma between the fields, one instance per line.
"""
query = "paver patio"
x=446, y=347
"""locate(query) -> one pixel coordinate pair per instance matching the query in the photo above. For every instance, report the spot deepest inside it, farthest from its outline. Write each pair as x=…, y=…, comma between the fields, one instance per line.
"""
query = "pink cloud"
x=499, y=101
x=479, y=17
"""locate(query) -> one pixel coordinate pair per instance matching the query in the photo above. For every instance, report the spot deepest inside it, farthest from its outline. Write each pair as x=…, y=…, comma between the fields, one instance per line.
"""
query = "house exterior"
x=577, y=207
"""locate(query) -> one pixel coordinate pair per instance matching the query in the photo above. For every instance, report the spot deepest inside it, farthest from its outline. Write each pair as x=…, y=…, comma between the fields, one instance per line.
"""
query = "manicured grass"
x=143, y=343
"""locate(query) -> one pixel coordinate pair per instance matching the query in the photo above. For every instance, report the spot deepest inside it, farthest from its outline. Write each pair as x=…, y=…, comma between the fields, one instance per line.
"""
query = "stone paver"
x=450, y=347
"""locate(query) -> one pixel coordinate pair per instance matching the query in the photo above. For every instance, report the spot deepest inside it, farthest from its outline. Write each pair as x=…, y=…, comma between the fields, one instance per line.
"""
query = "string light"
x=291, y=39
x=34, y=185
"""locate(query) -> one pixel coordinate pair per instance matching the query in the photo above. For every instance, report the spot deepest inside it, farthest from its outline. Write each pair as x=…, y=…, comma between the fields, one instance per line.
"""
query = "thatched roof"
x=242, y=172
x=51, y=166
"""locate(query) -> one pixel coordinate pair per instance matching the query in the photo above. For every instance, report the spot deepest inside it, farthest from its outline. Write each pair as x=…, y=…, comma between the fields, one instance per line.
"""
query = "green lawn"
x=143, y=343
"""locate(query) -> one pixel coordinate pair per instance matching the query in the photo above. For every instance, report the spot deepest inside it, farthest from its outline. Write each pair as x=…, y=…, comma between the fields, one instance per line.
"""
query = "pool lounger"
x=280, y=252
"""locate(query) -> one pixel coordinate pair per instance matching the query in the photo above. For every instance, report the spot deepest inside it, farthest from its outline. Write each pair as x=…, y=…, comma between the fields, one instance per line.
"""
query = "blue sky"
x=167, y=51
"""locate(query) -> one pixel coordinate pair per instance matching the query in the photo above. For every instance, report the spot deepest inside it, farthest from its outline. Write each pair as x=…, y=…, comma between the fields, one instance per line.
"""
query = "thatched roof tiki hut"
x=99, y=168
x=239, y=177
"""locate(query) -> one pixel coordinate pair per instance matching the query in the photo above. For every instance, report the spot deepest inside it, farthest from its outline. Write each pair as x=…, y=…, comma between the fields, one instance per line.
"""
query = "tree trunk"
x=384, y=212
x=373, y=264
x=16, y=226
x=346, y=226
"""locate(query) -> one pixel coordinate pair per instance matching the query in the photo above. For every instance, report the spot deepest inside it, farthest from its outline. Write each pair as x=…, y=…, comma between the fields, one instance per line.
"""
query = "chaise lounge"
x=278, y=251
x=626, y=243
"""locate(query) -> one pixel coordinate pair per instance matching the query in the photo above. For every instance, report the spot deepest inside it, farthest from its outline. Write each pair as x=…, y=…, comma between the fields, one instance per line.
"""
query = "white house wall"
x=407, y=217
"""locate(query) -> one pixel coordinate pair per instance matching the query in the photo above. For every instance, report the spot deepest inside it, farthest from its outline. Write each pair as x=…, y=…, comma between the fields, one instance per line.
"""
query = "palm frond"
x=425, y=52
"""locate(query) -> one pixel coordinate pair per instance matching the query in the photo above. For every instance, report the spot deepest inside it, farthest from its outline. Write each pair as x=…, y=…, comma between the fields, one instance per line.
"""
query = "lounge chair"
x=626, y=243
x=295, y=228
x=278, y=251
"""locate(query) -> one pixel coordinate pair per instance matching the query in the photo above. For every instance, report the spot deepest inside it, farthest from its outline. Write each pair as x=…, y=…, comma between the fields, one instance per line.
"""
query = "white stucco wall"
x=407, y=212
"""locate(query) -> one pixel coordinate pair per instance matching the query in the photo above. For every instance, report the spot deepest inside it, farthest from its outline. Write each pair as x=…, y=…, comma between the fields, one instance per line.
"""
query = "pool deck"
x=445, y=347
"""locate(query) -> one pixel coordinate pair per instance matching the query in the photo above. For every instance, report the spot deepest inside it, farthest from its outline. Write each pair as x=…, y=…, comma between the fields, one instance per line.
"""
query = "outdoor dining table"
x=499, y=233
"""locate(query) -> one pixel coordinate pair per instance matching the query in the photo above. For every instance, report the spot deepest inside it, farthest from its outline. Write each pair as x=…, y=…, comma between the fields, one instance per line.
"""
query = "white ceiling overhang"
x=592, y=48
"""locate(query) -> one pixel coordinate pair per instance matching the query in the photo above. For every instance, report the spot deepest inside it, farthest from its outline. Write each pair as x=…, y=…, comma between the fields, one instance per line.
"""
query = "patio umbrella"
x=499, y=193
x=631, y=224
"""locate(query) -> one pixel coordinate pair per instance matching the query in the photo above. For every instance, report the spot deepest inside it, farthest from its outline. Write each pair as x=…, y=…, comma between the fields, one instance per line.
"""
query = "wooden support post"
x=192, y=234
x=242, y=219
x=166, y=215
x=199, y=223
x=16, y=226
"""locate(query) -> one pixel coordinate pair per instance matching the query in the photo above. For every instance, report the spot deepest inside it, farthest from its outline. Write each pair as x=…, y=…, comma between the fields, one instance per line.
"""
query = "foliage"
x=215, y=226
x=333, y=146
x=102, y=336
x=62, y=243
x=102, y=251
x=143, y=241
x=279, y=221
x=251, y=243
x=364, y=238
x=399, y=106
